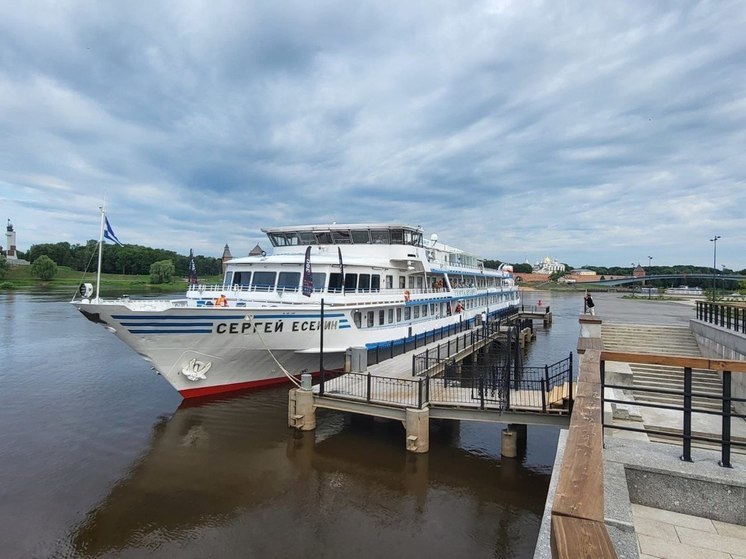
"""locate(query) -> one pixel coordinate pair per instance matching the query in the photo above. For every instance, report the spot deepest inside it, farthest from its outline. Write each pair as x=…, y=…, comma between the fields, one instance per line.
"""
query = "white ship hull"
x=202, y=351
x=270, y=329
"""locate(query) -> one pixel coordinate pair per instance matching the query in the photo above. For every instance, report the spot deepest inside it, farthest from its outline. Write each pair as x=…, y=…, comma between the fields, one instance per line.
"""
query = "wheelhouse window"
x=380, y=237
x=264, y=281
x=375, y=282
x=413, y=238
x=242, y=278
x=288, y=281
x=341, y=237
x=361, y=237
x=324, y=237
x=228, y=280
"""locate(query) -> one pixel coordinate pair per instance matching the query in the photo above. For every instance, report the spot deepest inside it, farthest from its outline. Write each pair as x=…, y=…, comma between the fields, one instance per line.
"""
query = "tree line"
x=128, y=259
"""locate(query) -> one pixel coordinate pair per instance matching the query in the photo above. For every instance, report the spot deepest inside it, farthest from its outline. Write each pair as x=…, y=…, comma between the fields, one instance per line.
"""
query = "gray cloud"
x=598, y=133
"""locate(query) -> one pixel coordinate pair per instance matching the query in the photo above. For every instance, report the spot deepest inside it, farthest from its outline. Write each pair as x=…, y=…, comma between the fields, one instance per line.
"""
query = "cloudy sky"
x=594, y=132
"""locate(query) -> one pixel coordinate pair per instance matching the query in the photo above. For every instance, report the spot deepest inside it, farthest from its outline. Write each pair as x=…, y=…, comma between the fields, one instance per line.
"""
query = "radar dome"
x=434, y=237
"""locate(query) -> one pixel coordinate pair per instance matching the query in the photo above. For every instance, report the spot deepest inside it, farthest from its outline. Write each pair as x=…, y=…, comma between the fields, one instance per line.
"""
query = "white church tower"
x=10, y=237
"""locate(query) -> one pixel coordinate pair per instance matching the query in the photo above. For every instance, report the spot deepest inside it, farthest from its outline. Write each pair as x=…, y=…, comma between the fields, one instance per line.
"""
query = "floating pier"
x=451, y=378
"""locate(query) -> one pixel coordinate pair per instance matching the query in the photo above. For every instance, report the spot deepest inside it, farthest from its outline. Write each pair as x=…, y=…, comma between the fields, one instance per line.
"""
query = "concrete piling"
x=417, y=424
x=301, y=409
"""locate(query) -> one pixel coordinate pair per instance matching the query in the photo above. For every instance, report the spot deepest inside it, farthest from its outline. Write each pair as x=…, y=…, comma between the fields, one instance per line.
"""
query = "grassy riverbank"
x=19, y=277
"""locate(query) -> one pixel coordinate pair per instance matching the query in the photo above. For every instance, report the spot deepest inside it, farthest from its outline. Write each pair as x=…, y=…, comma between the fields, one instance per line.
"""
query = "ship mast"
x=100, y=246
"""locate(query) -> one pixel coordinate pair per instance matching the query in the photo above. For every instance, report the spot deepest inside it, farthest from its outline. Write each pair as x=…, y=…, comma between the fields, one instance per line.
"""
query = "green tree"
x=522, y=268
x=162, y=271
x=4, y=266
x=44, y=268
x=742, y=287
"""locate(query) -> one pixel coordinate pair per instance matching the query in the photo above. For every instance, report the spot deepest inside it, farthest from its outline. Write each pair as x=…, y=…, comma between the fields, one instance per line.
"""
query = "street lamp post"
x=722, y=276
x=714, y=242
x=650, y=286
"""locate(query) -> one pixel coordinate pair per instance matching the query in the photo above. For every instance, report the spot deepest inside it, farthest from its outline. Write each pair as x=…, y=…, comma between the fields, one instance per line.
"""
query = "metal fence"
x=726, y=441
x=491, y=384
x=387, y=350
x=408, y=393
x=726, y=316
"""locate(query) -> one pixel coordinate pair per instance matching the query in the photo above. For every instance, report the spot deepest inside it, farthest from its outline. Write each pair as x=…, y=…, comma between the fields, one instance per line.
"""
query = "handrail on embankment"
x=725, y=399
x=577, y=523
x=732, y=317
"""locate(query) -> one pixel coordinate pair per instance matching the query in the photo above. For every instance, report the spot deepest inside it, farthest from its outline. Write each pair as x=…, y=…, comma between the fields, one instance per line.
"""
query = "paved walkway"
x=669, y=535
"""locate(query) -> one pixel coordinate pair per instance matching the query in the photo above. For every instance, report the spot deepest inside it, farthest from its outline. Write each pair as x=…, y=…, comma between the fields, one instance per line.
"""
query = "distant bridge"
x=642, y=279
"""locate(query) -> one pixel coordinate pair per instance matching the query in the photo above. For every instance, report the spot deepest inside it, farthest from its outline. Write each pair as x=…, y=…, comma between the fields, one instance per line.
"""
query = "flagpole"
x=100, y=244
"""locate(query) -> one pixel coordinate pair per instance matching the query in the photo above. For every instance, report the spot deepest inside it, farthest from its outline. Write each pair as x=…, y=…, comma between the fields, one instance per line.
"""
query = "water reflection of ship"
x=211, y=465
x=205, y=464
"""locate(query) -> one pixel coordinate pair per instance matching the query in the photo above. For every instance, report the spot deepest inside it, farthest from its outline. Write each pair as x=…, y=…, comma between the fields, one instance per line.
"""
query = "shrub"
x=162, y=271
x=44, y=268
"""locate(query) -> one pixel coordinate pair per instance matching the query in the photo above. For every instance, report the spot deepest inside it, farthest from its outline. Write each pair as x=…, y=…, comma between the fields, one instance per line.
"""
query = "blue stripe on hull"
x=177, y=317
x=163, y=331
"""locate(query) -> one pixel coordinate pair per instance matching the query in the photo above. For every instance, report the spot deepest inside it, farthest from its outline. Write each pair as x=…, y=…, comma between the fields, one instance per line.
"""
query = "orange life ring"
x=406, y=294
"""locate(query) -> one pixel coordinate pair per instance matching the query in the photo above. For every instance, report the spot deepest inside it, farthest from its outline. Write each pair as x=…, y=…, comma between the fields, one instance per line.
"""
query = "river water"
x=99, y=457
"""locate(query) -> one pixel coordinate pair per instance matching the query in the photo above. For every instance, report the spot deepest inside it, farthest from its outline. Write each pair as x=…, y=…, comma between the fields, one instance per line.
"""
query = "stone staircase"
x=664, y=340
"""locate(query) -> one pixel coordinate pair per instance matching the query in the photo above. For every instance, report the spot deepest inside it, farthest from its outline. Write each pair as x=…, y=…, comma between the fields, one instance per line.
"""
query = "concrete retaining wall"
x=657, y=477
x=717, y=342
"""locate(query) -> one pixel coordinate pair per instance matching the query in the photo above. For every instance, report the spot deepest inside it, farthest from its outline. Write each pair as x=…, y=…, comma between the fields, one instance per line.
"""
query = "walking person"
x=589, y=304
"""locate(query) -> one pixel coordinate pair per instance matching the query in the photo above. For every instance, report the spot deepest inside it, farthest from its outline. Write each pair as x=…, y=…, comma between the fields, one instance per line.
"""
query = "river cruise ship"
x=343, y=286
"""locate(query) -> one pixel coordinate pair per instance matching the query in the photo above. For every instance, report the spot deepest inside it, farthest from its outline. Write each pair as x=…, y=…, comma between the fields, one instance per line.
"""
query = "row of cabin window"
x=290, y=281
x=346, y=237
x=415, y=312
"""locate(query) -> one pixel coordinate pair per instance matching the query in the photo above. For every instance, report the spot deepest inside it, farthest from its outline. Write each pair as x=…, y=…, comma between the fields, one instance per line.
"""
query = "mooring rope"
x=272, y=355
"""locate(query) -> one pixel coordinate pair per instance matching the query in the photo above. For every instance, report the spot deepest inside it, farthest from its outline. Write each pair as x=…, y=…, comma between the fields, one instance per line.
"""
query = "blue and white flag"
x=307, y=274
x=109, y=232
